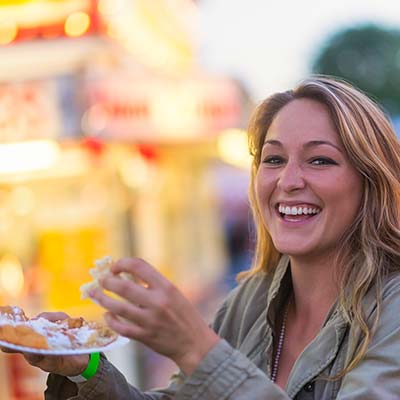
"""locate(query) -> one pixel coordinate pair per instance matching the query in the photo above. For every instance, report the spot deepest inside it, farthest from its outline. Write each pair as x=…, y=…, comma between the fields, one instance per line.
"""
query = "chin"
x=293, y=249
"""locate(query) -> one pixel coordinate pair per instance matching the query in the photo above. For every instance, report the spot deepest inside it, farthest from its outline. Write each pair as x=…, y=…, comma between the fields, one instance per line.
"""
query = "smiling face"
x=306, y=189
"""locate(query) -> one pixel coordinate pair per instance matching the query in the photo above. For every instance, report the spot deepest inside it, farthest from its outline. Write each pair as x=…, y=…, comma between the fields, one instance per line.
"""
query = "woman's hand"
x=155, y=313
x=61, y=365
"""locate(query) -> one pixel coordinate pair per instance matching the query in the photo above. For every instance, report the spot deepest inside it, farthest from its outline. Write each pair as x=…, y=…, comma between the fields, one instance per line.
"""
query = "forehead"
x=303, y=120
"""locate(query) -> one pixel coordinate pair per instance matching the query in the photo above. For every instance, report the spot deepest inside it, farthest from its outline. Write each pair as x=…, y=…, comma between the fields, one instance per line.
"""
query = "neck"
x=314, y=287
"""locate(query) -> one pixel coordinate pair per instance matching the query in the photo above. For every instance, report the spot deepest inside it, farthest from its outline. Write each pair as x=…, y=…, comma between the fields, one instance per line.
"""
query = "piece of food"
x=101, y=269
x=39, y=333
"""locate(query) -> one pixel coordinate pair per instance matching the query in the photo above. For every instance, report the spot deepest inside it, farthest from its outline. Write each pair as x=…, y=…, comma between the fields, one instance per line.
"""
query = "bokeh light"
x=77, y=24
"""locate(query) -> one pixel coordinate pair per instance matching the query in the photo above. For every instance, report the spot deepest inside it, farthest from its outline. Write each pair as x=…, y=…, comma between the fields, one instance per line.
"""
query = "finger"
x=123, y=309
x=53, y=316
x=127, y=329
x=33, y=359
x=127, y=289
x=139, y=269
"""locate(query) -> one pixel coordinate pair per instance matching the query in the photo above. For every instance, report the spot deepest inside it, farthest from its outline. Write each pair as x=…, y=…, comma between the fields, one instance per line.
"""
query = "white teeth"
x=297, y=210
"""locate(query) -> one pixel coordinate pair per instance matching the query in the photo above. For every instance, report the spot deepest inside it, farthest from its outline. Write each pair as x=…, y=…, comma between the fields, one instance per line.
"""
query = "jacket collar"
x=279, y=291
x=325, y=346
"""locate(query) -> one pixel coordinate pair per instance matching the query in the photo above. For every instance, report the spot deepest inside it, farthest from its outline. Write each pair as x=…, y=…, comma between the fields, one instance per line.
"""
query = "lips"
x=297, y=212
x=298, y=209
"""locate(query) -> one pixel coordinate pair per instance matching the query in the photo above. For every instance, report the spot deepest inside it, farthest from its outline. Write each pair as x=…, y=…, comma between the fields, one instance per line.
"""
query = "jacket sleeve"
x=107, y=384
x=377, y=376
x=224, y=374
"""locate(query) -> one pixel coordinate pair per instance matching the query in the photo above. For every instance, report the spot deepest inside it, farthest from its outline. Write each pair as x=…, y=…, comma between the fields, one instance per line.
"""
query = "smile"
x=298, y=213
x=298, y=210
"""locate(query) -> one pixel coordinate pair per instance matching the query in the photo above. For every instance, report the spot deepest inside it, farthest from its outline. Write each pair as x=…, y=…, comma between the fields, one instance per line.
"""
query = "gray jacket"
x=239, y=366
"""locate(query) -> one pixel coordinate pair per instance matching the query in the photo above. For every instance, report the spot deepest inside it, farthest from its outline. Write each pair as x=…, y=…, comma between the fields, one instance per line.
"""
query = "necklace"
x=281, y=339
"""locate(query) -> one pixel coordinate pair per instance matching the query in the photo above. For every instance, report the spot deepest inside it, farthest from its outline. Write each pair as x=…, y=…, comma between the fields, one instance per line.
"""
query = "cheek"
x=347, y=195
x=264, y=188
x=264, y=184
x=262, y=197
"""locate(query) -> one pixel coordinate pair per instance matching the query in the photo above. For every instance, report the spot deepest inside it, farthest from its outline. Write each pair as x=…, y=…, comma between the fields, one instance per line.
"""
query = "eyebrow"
x=311, y=143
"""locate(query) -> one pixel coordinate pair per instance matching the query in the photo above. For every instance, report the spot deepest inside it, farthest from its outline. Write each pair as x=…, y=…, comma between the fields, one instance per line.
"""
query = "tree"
x=367, y=56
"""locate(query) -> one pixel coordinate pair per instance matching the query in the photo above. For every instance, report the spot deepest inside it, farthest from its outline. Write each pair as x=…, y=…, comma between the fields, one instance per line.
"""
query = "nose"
x=291, y=178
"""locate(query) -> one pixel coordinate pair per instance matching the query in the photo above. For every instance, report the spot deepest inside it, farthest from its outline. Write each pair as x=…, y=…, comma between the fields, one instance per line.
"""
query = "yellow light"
x=77, y=24
x=12, y=2
x=8, y=31
x=233, y=148
x=11, y=275
x=28, y=156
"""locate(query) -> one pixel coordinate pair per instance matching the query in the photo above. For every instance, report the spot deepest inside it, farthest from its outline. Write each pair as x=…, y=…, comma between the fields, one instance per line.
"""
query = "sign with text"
x=160, y=109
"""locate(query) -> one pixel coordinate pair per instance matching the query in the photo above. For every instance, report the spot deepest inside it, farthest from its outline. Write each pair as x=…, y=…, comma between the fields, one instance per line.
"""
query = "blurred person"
x=316, y=315
x=238, y=245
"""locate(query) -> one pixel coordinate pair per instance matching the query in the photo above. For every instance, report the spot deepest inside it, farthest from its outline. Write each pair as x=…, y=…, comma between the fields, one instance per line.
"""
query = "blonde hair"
x=370, y=247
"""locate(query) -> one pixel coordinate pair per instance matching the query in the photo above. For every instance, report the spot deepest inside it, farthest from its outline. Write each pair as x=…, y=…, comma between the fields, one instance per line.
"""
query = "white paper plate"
x=120, y=341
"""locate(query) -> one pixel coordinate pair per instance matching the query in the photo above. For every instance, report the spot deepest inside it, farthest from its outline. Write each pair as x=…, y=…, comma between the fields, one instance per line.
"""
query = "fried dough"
x=39, y=333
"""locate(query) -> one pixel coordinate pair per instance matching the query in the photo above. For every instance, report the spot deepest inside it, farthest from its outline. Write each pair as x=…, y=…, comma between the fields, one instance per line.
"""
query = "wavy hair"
x=370, y=247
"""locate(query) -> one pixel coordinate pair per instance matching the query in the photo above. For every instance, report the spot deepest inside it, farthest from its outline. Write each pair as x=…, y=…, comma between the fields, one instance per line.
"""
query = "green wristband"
x=91, y=369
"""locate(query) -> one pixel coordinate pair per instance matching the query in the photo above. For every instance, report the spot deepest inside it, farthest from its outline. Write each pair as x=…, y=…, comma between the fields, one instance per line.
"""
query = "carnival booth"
x=106, y=150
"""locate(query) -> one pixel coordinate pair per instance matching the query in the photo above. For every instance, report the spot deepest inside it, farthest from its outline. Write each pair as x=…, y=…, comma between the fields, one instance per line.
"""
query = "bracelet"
x=91, y=369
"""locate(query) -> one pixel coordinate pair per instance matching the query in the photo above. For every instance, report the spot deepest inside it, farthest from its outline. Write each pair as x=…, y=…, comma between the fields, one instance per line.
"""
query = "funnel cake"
x=101, y=269
x=40, y=333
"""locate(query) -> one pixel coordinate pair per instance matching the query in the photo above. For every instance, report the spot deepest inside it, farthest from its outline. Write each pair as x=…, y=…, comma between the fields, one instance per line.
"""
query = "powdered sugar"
x=72, y=333
x=5, y=320
x=41, y=325
x=83, y=334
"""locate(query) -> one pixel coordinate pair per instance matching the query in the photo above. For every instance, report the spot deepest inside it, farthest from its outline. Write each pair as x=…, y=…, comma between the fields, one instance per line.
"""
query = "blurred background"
x=123, y=132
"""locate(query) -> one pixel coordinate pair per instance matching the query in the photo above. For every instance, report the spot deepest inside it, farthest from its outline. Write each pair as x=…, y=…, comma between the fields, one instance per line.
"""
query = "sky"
x=269, y=45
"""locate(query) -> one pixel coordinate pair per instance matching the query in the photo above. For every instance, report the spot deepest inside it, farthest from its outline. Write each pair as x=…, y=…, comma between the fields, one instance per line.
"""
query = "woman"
x=316, y=316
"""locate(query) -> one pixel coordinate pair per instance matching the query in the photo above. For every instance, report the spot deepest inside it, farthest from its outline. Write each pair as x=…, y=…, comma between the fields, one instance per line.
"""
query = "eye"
x=323, y=161
x=273, y=160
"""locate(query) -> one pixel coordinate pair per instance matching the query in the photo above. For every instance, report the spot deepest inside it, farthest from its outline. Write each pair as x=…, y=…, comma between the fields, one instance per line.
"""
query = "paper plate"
x=120, y=341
